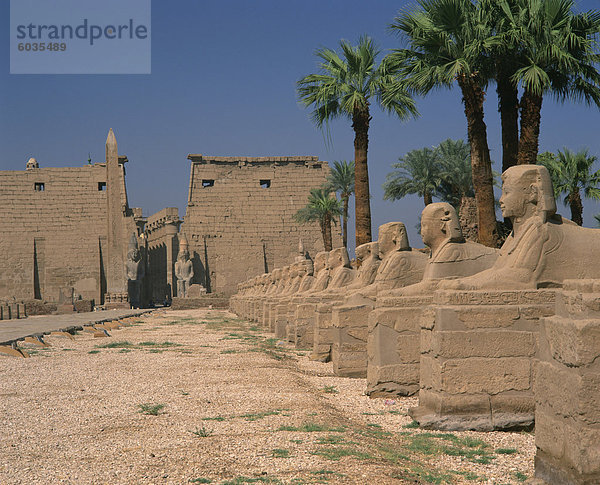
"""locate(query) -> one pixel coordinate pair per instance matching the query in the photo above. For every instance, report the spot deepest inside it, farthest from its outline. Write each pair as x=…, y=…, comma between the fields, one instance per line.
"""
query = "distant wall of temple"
x=53, y=231
x=239, y=217
x=163, y=245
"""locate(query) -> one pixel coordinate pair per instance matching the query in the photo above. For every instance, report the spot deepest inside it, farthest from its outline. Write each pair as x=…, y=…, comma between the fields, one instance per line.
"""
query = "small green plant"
x=312, y=428
x=281, y=453
x=123, y=344
x=297, y=441
x=229, y=351
x=257, y=416
x=520, y=476
x=329, y=390
x=506, y=451
x=202, y=432
x=90, y=352
x=150, y=409
x=215, y=418
x=411, y=425
x=200, y=480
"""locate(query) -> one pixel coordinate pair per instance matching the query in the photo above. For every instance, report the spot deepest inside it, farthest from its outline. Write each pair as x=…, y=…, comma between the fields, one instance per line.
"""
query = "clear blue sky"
x=223, y=83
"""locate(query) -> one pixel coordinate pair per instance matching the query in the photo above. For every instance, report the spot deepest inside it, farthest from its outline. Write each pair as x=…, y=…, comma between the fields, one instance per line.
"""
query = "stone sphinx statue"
x=451, y=256
x=134, y=267
x=543, y=248
x=184, y=269
x=400, y=265
x=308, y=278
x=321, y=272
x=341, y=273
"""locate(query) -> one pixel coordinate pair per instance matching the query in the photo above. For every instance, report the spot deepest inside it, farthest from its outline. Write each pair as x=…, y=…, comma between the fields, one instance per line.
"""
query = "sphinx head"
x=439, y=222
x=526, y=191
x=321, y=261
x=367, y=250
x=338, y=258
x=392, y=237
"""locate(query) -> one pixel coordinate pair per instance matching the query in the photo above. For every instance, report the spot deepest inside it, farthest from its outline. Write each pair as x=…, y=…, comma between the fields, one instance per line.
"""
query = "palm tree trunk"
x=531, y=111
x=328, y=242
x=362, y=198
x=473, y=97
x=508, y=106
x=345, y=222
x=427, y=199
x=576, y=207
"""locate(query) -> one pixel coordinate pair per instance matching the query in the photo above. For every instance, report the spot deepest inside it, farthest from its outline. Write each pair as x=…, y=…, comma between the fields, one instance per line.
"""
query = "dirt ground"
x=204, y=397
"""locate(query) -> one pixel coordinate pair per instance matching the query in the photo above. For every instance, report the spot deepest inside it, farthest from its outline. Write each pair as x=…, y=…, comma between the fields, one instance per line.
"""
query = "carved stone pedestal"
x=567, y=390
x=393, y=348
x=478, y=350
x=349, y=349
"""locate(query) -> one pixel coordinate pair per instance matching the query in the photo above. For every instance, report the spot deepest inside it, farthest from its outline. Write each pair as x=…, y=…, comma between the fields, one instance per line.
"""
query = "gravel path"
x=237, y=407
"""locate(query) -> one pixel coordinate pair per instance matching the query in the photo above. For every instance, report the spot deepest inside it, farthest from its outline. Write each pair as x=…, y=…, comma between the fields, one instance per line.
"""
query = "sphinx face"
x=363, y=251
x=515, y=197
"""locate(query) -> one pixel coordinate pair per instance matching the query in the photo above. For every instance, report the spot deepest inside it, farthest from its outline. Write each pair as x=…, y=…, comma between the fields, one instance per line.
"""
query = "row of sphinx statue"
x=459, y=323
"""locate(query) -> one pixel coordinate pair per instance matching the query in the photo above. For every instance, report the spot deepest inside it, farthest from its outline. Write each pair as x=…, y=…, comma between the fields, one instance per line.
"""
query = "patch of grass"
x=297, y=441
x=334, y=440
x=468, y=475
x=474, y=450
x=281, y=453
x=215, y=418
x=242, y=480
x=423, y=475
x=335, y=454
x=257, y=416
x=374, y=425
x=396, y=412
x=201, y=480
x=520, y=476
x=313, y=428
x=124, y=351
x=372, y=414
x=411, y=425
x=506, y=451
x=158, y=344
x=150, y=409
x=329, y=390
x=92, y=352
x=231, y=351
x=123, y=344
x=202, y=432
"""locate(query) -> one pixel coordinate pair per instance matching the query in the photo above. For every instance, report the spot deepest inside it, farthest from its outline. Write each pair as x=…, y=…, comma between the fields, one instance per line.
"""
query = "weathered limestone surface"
x=567, y=389
x=479, y=347
x=394, y=326
x=58, y=237
x=400, y=266
x=478, y=350
x=162, y=231
x=244, y=206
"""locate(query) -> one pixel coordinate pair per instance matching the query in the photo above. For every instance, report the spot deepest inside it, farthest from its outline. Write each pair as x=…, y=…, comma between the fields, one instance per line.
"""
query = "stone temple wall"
x=162, y=240
x=239, y=218
x=54, y=230
x=52, y=234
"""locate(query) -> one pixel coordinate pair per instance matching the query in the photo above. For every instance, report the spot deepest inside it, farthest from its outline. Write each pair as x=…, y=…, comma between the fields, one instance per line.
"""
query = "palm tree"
x=341, y=179
x=345, y=88
x=597, y=217
x=554, y=51
x=571, y=174
x=446, y=44
x=321, y=207
x=455, y=163
x=419, y=172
